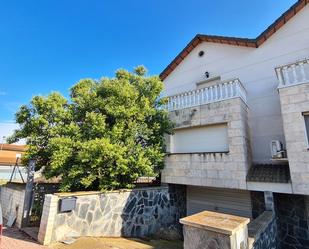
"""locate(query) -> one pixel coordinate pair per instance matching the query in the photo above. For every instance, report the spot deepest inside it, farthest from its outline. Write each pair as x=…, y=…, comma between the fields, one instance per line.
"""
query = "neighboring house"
x=232, y=100
x=8, y=159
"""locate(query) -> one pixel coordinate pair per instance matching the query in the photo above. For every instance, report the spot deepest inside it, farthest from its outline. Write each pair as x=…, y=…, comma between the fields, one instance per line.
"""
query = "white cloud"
x=2, y=93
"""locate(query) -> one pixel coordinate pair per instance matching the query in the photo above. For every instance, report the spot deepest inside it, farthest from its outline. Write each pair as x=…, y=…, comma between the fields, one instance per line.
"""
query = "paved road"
x=12, y=238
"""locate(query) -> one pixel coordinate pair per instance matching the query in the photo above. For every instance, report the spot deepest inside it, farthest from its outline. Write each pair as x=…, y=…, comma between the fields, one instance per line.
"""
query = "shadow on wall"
x=129, y=213
x=154, y=213
x=293, y=220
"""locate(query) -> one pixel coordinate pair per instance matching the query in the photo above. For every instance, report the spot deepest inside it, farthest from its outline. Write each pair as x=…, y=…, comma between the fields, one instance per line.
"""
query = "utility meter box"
x=67, y=204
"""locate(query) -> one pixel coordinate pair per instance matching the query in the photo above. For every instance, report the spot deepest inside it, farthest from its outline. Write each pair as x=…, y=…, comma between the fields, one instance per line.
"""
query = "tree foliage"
x=107, y=134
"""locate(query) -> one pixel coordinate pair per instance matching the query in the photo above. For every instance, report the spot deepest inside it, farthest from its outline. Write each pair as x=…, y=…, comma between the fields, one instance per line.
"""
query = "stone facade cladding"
x=129, y=213
x=263, y=232
x=12, y=201
x=227, y=169
x=293, y=221
x=196, y=238
x=294, y=101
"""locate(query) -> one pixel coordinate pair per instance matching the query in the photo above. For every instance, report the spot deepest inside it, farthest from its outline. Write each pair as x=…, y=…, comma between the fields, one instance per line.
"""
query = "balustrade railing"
x=294, y=73
x=222, y=91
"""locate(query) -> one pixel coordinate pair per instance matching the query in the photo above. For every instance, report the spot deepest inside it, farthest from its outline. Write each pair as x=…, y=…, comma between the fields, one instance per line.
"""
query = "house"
x=10, y=155
x=241, y=110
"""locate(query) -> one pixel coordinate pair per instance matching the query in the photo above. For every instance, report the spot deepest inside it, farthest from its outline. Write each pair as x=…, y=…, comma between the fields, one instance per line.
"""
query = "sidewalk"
x=12, y=238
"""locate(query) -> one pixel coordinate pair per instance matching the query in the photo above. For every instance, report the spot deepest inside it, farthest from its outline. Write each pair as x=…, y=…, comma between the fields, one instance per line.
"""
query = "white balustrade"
x=219, y=92
x=294, y=73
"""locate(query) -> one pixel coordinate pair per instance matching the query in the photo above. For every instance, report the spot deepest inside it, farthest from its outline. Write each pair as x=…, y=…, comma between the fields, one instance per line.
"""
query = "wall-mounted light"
x=201, y=53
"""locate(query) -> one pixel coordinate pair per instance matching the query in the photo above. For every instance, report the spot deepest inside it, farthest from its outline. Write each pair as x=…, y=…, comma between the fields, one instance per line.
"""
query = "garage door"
x=228, y=201
x=210, y=138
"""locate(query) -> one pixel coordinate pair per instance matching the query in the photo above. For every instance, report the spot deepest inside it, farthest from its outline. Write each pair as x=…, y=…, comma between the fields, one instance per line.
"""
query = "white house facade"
x=241, y=113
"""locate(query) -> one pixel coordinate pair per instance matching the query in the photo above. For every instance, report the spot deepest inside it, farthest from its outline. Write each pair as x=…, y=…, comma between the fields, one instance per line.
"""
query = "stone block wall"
x=263, y=232
x=12, y=201
x=293, y=221
x=213, y=230
x=130, y=213
x=227, y=170
x=294, y=101
x=196, y=238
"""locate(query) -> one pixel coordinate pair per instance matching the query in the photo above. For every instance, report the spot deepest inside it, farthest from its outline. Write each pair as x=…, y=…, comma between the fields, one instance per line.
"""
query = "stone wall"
x=12, y=201
x=293, y=221
x=294, y=101
x=130, y=213
x=213, y=230
x=227, y=170
x=263, y=232
x=258, y=203
x=196, y=238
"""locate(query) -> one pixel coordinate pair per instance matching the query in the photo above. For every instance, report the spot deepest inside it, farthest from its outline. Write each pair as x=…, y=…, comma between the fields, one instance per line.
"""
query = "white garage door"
x=236, y=202
x=210, y=138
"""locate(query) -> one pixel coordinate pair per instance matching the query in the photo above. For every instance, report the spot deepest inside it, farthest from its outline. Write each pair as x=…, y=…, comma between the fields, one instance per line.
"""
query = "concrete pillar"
x=269, y=201
x=50, y=210
x=211, y=230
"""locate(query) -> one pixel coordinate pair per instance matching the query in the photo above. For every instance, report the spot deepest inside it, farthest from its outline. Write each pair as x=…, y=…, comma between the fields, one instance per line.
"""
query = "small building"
x=10, y=156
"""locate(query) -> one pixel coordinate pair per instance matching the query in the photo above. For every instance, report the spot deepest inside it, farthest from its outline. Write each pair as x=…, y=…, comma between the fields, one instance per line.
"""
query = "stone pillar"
x=50, y=210
x=211, y=230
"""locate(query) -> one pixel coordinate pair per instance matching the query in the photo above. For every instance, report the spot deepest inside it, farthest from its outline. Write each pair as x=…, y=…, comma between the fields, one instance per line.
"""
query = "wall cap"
x=85, y=193
x=216, y=222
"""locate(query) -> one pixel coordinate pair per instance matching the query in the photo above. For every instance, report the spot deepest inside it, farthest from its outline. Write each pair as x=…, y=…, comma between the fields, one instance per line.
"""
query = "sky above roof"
x=49, y=45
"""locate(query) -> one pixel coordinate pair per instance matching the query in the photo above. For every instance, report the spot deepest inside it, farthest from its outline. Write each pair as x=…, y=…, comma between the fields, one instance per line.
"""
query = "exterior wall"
x=263, y=232
x=6, y=172
x=226, y=169
x=196, y=238
x=135, y=213
x=12, y=201
x=255, y=68
x=294, y=101
x=49, y=213
x=213, y=230
x=258, y=203
x=293, y=220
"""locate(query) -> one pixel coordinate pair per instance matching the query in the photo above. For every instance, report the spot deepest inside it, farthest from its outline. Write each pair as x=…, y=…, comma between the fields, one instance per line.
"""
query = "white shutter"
x=211, y=138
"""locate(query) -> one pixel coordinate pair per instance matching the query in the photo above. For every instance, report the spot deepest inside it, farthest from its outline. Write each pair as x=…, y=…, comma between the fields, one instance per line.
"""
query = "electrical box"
x=67, y=204
x=276, y=149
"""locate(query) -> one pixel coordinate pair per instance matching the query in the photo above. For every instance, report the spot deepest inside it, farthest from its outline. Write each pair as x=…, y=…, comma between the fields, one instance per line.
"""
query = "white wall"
x=209, y=138
x=255, y=68
x=12, y=201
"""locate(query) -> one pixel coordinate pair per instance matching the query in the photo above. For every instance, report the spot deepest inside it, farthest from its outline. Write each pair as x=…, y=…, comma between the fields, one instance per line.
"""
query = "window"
x=210, y=138
x=306, y=117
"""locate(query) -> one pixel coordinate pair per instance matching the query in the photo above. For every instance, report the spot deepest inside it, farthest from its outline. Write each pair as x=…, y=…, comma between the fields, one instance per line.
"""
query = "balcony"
x=210, y=146
x=293, y=73
x=222, y=91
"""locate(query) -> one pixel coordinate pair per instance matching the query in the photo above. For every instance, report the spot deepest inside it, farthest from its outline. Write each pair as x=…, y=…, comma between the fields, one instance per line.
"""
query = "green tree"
x=108, y=133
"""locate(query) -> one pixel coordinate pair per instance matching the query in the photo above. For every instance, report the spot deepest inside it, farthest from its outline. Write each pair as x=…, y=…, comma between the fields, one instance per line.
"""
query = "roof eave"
x=254, y=43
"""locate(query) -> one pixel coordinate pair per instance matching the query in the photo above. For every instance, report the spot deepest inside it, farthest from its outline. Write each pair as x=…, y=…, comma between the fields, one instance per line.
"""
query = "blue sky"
x=49, y=45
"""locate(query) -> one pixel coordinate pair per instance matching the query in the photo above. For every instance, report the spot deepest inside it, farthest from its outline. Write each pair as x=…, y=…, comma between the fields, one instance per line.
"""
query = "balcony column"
x=280, y=76
x=302, y=71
